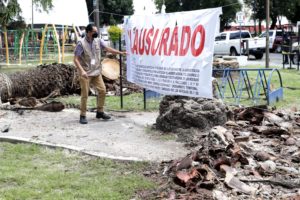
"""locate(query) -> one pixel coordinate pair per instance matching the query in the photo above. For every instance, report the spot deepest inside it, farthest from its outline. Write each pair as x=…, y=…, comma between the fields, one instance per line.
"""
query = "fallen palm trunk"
x=44, y=79
x=39, y=82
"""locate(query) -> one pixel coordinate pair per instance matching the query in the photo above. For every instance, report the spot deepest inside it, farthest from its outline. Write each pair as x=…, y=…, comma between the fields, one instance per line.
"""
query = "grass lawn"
x=34, y=172
x=132, y=102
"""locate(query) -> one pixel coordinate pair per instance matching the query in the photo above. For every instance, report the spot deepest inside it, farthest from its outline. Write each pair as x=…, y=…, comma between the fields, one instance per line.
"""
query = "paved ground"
x=125, y=137
x=275, y=61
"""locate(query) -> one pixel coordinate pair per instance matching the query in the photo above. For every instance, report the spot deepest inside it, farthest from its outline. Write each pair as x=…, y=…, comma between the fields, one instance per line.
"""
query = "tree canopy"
x=231, y=7
x=278, y=8
x=7, y=14
x=119, y=7
x=12, y=11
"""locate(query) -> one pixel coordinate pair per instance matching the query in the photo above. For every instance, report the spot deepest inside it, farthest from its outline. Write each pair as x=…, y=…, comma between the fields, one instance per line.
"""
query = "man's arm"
x=111, y=50
x=79, y=67
x=77, y=54
x=114, y=51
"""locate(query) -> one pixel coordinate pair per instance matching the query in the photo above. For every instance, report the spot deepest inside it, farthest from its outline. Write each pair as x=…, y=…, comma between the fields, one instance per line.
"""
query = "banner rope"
x=110, y=13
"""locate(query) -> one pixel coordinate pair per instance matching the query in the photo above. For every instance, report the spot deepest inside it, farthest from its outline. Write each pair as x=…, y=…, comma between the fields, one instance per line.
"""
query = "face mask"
x=95, y=35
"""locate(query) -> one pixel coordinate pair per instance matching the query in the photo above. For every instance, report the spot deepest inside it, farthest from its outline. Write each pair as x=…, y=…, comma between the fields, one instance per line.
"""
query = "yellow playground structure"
x=47, y=44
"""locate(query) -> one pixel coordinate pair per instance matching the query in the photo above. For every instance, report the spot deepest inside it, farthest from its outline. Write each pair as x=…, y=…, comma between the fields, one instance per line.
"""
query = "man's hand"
x=84, y=74
x=79, y=68
x=123, y=53
x=115, y=51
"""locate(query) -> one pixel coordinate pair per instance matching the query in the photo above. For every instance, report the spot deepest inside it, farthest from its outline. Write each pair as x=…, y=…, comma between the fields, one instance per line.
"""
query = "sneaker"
x=102, y=115
x=83, y=120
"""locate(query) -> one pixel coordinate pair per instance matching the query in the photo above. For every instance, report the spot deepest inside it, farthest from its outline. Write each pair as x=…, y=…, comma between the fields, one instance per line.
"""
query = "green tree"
x=295, y=17
x=44, y=4
x=231, y=7
x=7, y=14
x=278, y=8
x=112, y=20
x=259, y=10
x=293, y=11
x=114, y=33
x=121, y=7
x=11, y=12
x=282, y=8
x=118, y=7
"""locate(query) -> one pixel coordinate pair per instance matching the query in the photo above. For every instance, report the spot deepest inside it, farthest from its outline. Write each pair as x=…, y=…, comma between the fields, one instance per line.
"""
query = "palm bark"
x=39, y=82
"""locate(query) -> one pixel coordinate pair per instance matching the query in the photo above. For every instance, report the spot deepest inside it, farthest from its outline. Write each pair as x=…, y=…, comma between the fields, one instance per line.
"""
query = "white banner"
x=172, y=53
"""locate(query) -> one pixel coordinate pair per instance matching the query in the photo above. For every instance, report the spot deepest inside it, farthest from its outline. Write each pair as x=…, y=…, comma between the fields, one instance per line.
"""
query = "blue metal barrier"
x=151, y=94
x=148, y=94
x=275, y=95
x=239, y=82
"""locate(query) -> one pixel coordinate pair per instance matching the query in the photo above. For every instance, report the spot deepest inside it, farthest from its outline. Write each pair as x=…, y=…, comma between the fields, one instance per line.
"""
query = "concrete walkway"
x=125, y=137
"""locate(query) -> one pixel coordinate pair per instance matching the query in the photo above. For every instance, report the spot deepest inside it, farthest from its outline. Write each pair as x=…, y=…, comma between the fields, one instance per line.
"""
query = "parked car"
x=239, y=43
x=275, y=39
x=104, y=35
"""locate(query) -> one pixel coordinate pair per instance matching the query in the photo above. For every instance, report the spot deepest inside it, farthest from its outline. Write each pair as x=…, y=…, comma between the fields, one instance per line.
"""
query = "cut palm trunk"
x=39, y=82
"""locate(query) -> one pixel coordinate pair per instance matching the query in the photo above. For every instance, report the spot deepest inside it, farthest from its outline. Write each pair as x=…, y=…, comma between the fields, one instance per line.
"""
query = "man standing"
x=87, y=60
x=286, y=50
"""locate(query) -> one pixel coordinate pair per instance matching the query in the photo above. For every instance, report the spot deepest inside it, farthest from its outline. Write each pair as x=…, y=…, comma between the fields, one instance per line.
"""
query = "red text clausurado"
x=156, y=42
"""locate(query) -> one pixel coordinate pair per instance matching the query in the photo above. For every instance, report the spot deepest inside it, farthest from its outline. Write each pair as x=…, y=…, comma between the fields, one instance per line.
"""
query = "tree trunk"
x=255, y=31
x=39, y=82
x=259, y=26
x=279, y=20
x=43, y=80
x=274, y=21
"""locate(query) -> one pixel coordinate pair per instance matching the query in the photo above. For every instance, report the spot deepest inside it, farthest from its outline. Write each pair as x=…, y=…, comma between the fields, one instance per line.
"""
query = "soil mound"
x=177, y=112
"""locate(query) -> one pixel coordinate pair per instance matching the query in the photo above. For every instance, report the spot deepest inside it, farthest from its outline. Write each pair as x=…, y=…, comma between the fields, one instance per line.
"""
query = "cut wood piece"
x=186, y=176
x=53, y=106
x=273, y=118
x=28, y=102
x=273, y=131
x=185, y=163
x=262, y=156
x=234, y=182
x=110, y=68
